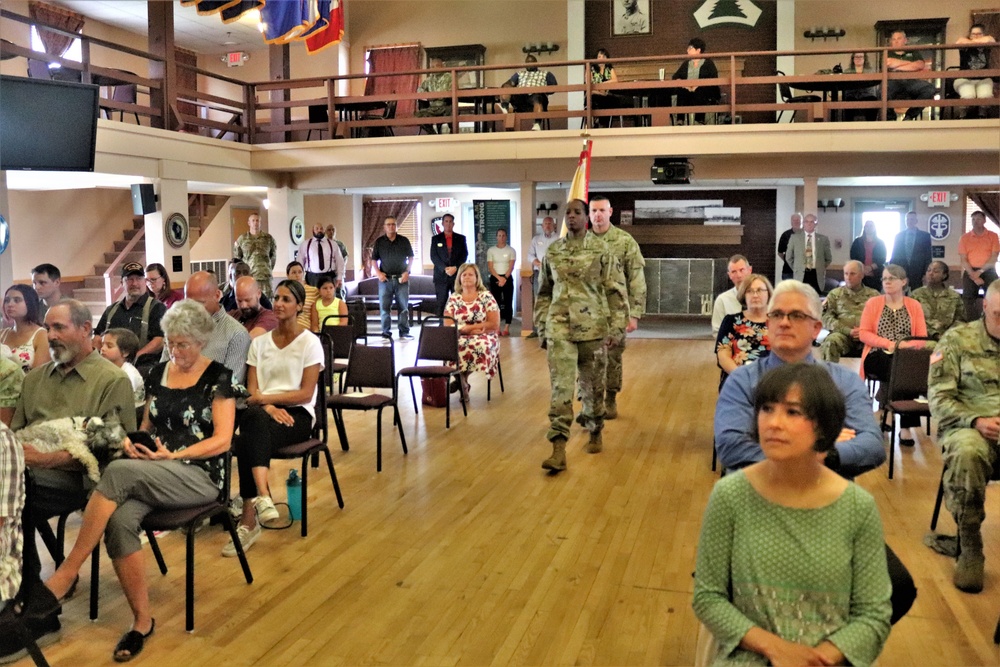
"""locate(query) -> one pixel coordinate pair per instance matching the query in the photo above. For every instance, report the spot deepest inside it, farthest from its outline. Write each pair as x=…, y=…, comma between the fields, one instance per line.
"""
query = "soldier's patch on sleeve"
x=936, y=356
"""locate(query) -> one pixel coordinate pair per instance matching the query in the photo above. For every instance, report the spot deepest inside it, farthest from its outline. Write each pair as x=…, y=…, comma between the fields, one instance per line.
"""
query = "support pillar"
x=284, y=204
x=173, y=198
x=526, y=294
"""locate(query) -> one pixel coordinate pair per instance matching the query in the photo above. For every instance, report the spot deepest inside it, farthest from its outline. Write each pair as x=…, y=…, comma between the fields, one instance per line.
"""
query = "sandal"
x=132, y=642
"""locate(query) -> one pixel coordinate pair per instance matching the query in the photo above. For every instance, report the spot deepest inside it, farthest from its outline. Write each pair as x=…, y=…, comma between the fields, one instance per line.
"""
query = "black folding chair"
x=189, y=519
x=338, y=341
x=907, y=382
x=438, y=343
x=371, y=367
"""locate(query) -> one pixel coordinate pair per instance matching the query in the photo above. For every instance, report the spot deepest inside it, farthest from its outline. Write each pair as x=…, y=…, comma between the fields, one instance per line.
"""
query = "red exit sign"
x=236, y=58
x=939, y=198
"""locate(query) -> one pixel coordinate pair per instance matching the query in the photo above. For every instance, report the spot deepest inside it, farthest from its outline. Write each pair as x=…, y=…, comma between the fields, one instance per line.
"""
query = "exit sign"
x=444, y=203
x=939, y=198
x=236, y=58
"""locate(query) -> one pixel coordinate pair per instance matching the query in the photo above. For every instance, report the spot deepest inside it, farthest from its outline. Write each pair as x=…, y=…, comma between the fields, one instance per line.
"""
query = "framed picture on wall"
x=630, y=17
x=466, y=55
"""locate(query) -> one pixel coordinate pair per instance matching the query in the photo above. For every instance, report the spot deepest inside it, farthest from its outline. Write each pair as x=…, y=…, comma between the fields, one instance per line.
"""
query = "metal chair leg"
x=937, y=503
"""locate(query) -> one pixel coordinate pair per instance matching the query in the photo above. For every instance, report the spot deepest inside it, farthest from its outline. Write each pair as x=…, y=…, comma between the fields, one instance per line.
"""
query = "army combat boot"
x=969, y=568
x=610, y=405
x=556, y=462
x=595, y=445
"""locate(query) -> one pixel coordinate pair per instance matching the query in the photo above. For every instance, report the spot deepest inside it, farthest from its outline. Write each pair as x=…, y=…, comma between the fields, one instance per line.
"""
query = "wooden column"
x=161, y=43
x=280, y=70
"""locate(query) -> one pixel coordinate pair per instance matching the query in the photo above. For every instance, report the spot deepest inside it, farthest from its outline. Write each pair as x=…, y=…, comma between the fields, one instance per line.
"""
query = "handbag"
x=435, y=391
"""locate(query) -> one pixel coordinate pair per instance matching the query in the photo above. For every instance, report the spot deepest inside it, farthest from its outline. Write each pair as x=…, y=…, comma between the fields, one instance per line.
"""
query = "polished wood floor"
x=465, y=553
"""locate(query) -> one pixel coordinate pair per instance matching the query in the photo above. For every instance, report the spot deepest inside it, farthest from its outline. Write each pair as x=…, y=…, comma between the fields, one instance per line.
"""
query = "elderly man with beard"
x=78, y=382
x=249, y=312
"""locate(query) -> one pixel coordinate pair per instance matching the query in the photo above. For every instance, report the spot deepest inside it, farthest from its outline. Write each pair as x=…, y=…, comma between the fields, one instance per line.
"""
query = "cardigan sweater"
x=869, y=325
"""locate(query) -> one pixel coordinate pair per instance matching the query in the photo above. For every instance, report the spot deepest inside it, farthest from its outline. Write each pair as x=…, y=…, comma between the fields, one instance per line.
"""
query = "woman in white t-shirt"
x=500, y=261
x=284, y=366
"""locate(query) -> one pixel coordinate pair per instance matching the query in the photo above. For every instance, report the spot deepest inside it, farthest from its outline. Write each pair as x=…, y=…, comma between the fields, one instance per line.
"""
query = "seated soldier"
x=943, y=306
x=842, y=314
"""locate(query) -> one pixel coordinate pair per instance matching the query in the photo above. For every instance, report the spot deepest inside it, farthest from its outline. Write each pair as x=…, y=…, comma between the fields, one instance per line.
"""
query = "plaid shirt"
x=11, y=504
x=526, y=79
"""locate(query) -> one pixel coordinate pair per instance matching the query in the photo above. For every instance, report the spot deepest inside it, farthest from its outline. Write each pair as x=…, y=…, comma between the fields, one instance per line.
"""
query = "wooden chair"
x=372, y=367
x=907, y=382
x=338, y=341
x=188, y=520
x=438, y=343
x=311, y=448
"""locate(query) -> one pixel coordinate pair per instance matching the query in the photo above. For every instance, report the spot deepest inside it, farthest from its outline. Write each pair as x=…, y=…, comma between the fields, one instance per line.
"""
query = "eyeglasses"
x=890, y=279
x=759, y=290
x=154, y=280
x=183, y=346
x=856, y=57
x=795, y=316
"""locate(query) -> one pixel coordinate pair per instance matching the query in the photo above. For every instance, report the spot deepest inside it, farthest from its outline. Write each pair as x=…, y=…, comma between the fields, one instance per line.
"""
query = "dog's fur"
x=90, y=441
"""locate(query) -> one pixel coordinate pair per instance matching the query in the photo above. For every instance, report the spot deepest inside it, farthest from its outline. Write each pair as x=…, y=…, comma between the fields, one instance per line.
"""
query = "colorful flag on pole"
x=580, y=187
x=332, y=34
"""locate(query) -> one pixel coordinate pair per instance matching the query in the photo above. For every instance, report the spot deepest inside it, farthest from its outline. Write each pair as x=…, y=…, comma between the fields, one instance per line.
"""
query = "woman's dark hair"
x=162, y=270
x=31, y=303
x=821, y=400
x=698, y=43
x=295, y=287
x=291, y=264
x=597, y=66
x=323, y=280
x=944, y=268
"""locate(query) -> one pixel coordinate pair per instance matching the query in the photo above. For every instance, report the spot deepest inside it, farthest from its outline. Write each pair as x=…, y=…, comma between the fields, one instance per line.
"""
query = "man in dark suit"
x=912, y=251
x=448, y=252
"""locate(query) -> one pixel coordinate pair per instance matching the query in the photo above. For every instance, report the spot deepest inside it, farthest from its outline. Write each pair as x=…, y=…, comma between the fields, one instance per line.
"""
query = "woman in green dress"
x=791, y=560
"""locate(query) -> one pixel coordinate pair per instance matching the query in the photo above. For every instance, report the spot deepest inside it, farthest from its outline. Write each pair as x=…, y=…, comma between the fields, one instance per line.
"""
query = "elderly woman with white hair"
x=190, y=411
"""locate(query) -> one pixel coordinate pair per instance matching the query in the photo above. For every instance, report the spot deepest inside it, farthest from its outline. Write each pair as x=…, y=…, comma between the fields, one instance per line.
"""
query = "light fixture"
x=823, y=33
x=835, y=204
x=540, y=47
x=266, y=203
x=235, y=58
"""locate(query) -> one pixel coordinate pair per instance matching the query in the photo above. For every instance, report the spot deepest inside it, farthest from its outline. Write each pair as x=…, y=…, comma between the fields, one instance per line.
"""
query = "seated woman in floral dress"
x=477, y=316
x=742, y=336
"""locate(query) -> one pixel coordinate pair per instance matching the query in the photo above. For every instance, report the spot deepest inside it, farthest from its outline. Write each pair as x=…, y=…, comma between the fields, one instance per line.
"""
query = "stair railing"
x=111, y=294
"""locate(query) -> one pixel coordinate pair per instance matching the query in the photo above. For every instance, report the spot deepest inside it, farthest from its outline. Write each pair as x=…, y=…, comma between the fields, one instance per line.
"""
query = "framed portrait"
x=466, y=55
x=630, y=17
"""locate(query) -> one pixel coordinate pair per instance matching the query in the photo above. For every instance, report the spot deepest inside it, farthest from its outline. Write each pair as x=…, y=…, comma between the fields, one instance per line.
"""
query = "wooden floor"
x=465, y=553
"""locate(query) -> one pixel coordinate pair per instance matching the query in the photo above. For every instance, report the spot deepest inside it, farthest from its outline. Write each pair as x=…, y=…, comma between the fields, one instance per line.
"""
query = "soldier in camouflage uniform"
x=943, y=307
x=842, y=314
x=581, y=303
x=626, y=251
x=257, y=249
x=964, y=393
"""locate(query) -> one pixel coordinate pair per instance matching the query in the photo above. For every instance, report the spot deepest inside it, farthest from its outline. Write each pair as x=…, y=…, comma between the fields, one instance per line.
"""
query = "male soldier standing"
x=842, y=314
x=965, y=397
x=626, y=251
x=257, y=249
x=582, y=304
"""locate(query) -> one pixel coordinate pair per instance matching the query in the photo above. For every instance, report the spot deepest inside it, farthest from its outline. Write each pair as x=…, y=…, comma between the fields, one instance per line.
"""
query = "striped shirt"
x=11, y=505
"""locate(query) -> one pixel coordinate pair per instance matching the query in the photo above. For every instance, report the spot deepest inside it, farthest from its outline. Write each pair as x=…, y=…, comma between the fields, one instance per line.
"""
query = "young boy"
x=119, y=347
x=327, y=304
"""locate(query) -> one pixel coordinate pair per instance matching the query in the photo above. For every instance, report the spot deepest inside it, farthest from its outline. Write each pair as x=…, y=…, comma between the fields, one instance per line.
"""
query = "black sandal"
x=133, y=642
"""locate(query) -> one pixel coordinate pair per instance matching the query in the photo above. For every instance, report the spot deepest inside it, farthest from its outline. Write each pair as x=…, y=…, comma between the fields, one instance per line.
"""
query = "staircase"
x=202, y=209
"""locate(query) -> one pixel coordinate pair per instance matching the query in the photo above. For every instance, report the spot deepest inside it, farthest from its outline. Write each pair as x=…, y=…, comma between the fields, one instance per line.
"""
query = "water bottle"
x=293, y=488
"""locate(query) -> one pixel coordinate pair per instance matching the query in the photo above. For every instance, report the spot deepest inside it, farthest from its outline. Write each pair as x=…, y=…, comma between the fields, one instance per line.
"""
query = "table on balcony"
x=832, y=88
x=354, y=111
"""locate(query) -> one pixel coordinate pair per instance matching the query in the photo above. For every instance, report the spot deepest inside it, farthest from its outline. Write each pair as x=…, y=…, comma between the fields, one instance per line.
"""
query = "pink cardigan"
x=869, y=325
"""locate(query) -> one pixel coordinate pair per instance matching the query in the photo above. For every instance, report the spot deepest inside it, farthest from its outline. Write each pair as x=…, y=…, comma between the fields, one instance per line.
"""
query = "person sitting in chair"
x=437, y=82
x=695, y=68
x=531, y=77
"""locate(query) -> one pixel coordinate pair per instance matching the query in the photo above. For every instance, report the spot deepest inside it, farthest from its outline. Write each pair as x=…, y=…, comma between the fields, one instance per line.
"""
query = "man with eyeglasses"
x=842, y=314
x=793, y=323
x=728, y=303
x=138, y=311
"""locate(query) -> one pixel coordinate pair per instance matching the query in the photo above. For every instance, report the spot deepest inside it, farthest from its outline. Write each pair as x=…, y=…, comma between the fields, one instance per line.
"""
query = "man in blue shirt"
x=793, y=322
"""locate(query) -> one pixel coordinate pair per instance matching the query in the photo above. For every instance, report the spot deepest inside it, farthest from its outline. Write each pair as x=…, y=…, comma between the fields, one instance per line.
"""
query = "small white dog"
x=89, y=440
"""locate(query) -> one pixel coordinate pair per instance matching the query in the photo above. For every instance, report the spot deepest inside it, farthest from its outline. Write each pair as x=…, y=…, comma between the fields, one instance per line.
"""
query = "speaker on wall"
x=143, y=199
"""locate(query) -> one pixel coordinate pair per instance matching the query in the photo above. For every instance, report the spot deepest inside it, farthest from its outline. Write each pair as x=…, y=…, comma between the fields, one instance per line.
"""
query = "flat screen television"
x=47, y=125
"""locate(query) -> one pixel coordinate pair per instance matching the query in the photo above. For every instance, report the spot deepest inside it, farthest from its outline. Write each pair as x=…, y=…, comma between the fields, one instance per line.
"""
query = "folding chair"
x=438, y=343
x=907, y=382
x=371, y=367
x=338, y=341
x=311, y=448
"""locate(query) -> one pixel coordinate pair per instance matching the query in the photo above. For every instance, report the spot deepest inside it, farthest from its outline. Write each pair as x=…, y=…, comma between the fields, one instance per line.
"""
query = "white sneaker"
x=247, y=537
x=536, y=126
x=266, y=511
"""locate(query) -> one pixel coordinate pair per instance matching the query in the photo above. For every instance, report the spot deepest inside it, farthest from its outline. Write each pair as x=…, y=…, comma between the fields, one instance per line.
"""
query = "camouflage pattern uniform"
x=626, y=251
x=582, y=299
x=943, y=309
x=841, y=313
x=963, y=384
x=260, y=252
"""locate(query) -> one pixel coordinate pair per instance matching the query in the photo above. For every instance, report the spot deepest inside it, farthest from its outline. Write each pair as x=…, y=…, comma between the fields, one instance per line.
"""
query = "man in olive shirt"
x=903, y=60
x=78, y=382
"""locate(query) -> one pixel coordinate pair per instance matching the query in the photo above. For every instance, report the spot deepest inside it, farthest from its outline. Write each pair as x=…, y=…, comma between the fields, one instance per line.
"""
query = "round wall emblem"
x=297, y=230
x=176, y=230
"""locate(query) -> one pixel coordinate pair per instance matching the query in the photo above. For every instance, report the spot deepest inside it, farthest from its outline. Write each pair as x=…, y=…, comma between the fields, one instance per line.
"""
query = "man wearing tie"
x=320, y=257
x=448, y=252
x=912, y=251
x=809, y=254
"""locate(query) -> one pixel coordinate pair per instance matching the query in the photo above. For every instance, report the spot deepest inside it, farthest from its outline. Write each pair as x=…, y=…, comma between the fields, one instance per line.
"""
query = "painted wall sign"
x=940, y=226
x=714, y=13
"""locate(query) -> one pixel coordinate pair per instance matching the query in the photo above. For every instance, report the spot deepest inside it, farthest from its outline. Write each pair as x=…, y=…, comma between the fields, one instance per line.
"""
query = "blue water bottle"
x=293, y=488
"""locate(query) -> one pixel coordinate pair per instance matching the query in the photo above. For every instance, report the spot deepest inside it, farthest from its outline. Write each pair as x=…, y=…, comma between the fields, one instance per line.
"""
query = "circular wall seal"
x=4, y=234
x=176, y=230
x=297, y=230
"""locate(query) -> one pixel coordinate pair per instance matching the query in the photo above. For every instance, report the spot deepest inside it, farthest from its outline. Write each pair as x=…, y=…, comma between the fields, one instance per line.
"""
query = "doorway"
x=238, y=216
x=888, y=217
